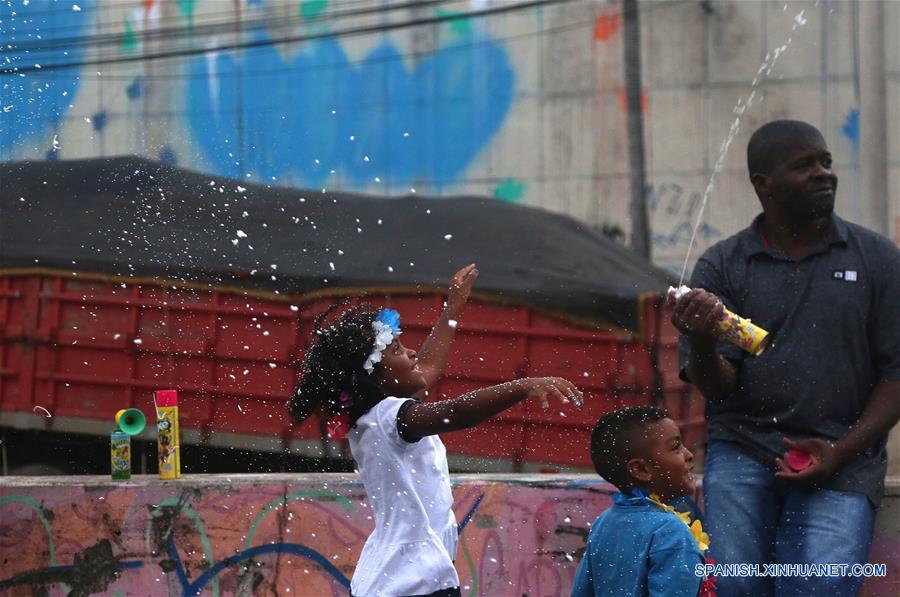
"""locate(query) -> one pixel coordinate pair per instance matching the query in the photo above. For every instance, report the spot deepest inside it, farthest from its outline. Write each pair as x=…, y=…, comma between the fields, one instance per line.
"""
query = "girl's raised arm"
x=432, y=356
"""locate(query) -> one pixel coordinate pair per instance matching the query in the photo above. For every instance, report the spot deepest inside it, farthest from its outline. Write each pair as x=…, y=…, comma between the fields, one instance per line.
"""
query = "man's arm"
x=714, y=375
x=697, y=314
x=881, y=413
x=882, y=409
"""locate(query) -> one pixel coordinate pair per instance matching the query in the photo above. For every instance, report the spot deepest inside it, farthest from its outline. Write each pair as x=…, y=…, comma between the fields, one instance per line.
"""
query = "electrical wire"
x=364, y=30
x=139, y=7
x=363, y=61
x=216, y=28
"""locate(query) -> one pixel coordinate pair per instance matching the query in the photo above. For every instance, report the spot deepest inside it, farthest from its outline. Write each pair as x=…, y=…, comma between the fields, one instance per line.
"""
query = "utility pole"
x=873, y=123
x=640, y=228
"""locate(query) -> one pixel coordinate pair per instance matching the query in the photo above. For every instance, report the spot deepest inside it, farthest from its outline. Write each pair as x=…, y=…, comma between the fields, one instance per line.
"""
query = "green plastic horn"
x=131, y=420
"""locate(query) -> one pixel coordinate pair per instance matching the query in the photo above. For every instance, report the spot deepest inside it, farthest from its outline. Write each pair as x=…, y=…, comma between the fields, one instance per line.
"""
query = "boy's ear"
x=639, y=469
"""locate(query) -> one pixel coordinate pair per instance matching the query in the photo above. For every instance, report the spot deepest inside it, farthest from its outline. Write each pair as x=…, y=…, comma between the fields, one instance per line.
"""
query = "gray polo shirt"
x=834, y=317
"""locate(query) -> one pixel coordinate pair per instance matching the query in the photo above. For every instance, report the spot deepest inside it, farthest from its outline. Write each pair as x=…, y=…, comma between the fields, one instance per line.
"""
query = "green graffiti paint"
x=472, y=568
x=129, y=39
x=510, y=190
x=312, y=9
x=32, y=503
x=187, y=9
x=459, y=25
x=318, y=494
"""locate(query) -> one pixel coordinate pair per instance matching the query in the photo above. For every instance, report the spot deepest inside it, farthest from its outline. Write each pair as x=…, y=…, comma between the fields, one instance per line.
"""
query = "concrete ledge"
x=299, y=534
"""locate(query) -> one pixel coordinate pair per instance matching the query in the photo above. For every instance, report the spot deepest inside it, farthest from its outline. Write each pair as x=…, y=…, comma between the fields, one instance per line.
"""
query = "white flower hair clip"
x=386, y=327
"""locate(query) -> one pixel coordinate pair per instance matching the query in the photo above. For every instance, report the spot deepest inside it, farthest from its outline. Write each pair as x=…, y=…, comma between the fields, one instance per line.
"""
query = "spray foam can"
x=129, y=421
x=120, y=455
x=736, y=329
x=167, y=434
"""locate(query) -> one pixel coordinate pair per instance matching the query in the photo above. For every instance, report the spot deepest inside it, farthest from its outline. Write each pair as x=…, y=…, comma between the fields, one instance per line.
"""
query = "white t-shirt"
x=412, y=548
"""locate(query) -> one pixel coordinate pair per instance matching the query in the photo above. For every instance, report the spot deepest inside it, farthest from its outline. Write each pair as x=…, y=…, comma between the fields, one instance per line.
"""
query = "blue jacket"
x=636, y=549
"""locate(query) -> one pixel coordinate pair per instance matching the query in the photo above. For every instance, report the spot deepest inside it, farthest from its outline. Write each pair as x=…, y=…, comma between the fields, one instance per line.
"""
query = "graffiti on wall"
x=34, y=103
x=310, y=112
x=297, y=537
x=318, y=114
x=678, y=208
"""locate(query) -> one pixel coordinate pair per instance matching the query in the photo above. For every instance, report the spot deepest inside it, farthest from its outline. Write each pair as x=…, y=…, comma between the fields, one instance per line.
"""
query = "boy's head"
x=640, y=446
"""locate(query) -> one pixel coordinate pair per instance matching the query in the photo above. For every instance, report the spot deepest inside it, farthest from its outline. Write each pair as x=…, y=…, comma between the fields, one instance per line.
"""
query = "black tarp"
x=133, y=217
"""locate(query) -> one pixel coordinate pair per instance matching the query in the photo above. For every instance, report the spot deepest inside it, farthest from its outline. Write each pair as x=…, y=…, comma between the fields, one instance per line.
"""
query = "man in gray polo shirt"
x=828, y=291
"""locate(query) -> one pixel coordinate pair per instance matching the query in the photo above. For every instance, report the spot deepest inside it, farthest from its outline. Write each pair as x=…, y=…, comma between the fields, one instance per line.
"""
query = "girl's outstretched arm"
x=430, y=418
x=433, y=354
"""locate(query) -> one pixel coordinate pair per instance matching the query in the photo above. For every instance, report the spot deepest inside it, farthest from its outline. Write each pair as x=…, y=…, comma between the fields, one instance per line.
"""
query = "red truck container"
x=121, y=276
x=82, y=346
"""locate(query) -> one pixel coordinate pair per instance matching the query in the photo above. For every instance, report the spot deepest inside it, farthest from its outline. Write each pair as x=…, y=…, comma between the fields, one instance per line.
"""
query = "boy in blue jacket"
x=641, y=546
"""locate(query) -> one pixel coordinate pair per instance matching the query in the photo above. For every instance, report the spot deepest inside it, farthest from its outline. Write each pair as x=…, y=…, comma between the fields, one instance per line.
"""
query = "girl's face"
x=398, y=375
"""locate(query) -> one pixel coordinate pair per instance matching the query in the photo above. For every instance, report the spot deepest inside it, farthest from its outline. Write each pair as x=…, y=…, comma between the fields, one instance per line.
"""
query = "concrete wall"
x=298, y=534
x=525, y=105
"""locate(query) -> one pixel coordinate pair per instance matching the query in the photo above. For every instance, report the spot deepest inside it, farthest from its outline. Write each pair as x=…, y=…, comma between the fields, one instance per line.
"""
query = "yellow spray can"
x=736, y=329
x=167, y=434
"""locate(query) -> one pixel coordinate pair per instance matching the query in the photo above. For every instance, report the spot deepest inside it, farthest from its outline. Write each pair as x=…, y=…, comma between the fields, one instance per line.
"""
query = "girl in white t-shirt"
x=359, y=374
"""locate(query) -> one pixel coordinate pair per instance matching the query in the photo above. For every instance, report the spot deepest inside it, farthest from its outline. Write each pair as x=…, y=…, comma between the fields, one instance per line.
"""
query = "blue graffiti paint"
x=179, y=566
x=136, y=89
x=195, y=587
x=850, y=127
x=98, y=121
x=316, y=111
x=681, y=234
x=33, y=104
x=469, y=514
x=167, y=156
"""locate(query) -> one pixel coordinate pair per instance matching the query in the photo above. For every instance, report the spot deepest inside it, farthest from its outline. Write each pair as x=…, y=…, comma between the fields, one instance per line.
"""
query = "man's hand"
x=460, y=287
x=697, y=313
x=826, y=461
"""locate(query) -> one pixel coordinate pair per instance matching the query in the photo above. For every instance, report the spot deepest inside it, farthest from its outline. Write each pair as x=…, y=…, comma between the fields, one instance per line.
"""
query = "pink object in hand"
x=798, y=460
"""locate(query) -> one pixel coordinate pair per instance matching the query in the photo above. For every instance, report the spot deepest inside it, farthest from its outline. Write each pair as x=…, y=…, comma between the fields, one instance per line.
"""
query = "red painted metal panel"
x=85, y=348
x=559, y=444
x=18, y=314
x=587, y=363
x=497, y=439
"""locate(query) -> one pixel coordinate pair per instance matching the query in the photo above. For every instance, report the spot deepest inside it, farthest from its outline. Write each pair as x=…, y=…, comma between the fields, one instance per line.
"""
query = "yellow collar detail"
x=696, y=527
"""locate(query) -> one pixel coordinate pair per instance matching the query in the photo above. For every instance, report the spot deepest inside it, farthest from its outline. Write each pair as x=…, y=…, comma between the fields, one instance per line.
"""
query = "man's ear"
x=639, y=469
x=760, y=184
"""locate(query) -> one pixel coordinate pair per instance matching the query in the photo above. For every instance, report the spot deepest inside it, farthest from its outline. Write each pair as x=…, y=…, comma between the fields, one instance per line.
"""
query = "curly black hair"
x=333, y=364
